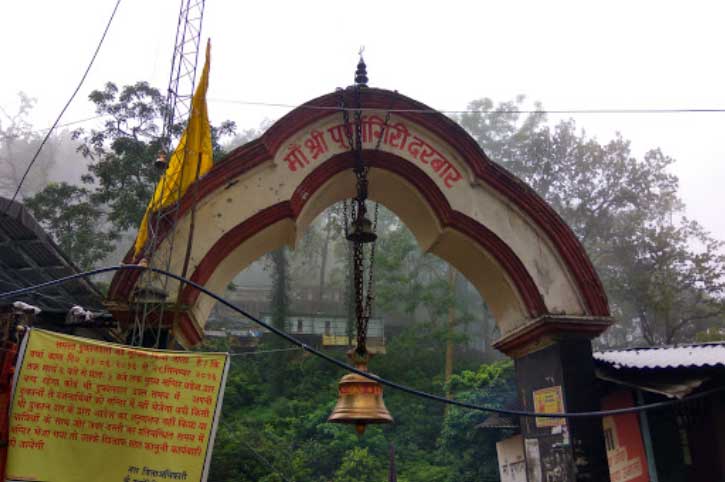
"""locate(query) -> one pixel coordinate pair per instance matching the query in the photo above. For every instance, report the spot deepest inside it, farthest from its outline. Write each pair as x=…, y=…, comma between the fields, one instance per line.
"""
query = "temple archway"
x=460, y=205
x=524, y=260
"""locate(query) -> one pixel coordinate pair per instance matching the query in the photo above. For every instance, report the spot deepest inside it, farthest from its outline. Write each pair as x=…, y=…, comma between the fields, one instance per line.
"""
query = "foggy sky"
x=568, y=55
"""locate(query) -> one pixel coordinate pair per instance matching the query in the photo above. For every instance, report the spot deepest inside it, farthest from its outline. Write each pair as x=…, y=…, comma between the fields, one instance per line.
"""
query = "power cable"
x=350, y=368
x=262, y=352
x=472, y=111
x=434, y=111
x=67, y=104
x=70, y=123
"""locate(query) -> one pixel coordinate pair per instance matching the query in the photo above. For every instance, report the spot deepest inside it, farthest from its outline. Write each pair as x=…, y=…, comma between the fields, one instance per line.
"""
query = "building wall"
x=686, y=441
x=327, y=325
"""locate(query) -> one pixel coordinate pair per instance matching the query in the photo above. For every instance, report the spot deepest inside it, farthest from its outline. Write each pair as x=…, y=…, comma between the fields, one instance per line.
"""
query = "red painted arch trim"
x=230, y=241
x=224, y=173
x=502, y=181
x=511, y=188
x=487, y=239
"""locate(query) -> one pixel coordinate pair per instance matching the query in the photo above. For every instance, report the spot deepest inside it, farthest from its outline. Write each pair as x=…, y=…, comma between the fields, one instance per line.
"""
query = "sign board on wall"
x=87, y=410
x=549, y=400
x=623, y=440
x=511, y=459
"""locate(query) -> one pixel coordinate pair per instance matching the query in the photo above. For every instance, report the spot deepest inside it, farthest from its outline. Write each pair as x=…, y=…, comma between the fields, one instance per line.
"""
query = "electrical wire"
x=262, y=352
x=434, y=111
x=471, y=111
x=70, y=123
x=350, y=368
x=67, y=104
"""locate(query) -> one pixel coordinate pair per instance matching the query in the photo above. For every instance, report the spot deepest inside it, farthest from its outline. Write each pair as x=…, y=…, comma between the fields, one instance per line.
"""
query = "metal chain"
x=371, y=263
x=371, y=271
x=346, y=119
x=361, y=319
x=350, y=143
x=357, y=211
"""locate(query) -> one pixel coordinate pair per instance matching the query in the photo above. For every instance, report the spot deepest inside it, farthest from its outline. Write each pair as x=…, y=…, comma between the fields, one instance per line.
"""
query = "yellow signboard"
x=84, y=410
x=549, y=400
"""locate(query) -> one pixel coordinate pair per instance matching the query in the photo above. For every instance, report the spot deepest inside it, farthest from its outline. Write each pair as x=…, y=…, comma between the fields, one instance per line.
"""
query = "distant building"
x=322, y=323
x=334, y=331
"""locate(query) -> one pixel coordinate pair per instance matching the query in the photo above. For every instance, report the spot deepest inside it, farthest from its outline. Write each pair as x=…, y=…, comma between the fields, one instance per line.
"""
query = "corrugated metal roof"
x=28, y=256
x=681, y=356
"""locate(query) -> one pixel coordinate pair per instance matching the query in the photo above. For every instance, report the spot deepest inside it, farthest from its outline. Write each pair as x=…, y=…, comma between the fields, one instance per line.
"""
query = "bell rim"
x=367, y=421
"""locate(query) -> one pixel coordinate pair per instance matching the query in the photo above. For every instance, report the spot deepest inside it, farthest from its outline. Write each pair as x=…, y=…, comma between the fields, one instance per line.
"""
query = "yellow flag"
x=194, y=153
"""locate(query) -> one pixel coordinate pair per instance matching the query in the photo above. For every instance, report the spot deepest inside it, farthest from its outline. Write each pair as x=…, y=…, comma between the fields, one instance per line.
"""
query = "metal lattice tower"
x=150, y=301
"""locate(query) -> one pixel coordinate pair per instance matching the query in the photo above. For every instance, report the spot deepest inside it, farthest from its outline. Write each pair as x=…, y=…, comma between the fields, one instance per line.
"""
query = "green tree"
x=674, y=281
x=280, y=288
x=18, y=143
x=358, y=466
x=280, y=304
x=463, y=443
x=619, y=207
x=69, y=216
x=122, y=152
x=121, y=175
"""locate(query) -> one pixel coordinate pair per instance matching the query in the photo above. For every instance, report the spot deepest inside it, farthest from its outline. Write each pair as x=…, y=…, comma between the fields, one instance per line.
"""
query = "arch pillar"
x=553, y=363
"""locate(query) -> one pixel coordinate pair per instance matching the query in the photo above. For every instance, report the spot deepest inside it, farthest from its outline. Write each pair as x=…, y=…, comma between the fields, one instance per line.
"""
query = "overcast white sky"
x=568, y=55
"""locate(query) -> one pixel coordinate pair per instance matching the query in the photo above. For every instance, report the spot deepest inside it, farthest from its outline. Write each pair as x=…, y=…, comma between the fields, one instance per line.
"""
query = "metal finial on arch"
x=361, y=74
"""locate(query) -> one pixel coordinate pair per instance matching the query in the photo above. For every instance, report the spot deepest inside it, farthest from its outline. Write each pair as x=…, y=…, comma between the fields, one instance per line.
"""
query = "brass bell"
x=360, y=402
x=362, y=231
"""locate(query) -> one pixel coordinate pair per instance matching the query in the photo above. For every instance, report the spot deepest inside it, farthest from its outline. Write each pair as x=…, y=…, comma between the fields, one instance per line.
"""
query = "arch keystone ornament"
x=527, y=264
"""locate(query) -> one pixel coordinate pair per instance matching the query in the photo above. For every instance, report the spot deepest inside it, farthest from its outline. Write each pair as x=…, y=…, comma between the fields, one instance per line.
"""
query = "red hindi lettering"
x=316, y=146
x=295, y=158
x=338, y=134
x=452, y=177
x=397, y=136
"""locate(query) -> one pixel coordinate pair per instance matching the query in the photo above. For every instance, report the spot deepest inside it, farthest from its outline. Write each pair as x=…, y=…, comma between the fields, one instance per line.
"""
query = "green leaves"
x=663, y=274
x=86, y=221
x=72, y=219
x=359, y=466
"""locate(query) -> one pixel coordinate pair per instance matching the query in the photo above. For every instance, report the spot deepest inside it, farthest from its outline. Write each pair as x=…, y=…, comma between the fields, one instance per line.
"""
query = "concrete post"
x=555, y=372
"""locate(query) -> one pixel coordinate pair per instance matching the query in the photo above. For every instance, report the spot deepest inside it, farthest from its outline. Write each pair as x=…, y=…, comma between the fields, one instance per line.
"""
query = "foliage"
x=279, y=302
x=69, y=216
x=18, y=144
x=280, y=287
x=676, y=290
x=663, y=273
x=121, y=173
x=122, y=151
x=268, y=436
x=359, y=466
x=491, y=385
